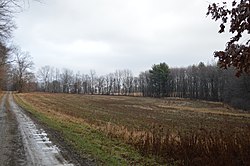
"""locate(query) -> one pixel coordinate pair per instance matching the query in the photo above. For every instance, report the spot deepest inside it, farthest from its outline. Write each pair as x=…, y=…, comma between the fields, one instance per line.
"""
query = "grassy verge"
x=87, y=140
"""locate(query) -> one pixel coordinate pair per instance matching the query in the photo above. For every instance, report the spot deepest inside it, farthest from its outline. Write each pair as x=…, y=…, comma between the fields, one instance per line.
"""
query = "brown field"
x=170, y=130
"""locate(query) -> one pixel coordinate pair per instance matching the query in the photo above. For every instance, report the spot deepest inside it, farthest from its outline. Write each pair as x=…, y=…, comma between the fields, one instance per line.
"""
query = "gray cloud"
x=108, y=35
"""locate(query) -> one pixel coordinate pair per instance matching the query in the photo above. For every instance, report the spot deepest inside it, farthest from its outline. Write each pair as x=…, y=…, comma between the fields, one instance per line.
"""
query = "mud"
x=68, y=152
x=11, y=146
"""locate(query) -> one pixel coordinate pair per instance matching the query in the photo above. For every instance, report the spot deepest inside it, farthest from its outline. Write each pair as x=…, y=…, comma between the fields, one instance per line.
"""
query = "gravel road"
x=22, y=142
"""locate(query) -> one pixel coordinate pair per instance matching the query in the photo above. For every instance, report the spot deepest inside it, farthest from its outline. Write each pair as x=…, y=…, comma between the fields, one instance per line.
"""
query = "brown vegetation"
x=180, y=131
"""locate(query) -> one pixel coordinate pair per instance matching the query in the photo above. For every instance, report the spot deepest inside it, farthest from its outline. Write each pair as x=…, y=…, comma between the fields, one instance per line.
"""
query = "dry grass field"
x=122, y=130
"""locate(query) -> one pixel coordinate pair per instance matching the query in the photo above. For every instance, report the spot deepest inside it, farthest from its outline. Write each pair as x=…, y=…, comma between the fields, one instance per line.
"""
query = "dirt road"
x=21, y=141
x=11, y=147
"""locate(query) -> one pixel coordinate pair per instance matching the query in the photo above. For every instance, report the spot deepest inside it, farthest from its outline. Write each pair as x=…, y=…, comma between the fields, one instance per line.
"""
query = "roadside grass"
x=175, y=131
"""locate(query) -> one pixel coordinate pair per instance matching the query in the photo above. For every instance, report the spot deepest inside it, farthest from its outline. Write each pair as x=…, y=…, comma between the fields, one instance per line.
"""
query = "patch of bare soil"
x=69, y=153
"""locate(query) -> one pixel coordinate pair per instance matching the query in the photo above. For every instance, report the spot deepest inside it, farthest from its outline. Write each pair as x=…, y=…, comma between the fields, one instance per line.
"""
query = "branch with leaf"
x=237, y=51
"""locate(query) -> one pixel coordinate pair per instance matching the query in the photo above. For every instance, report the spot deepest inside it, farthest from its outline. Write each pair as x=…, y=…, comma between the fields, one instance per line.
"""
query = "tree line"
x=204, y=82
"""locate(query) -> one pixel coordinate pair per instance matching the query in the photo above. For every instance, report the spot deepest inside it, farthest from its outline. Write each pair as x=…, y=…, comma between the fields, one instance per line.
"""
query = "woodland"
x=227, y=80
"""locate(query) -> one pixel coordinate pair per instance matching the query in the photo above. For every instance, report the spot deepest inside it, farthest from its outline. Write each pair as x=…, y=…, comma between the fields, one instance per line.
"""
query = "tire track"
x=38, y=148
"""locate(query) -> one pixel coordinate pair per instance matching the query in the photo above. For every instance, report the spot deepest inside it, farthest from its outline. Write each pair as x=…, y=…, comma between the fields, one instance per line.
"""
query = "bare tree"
x=127, y=81
x=109, y=81
x=100, y=84
x=56, y=82
x=7, y=9
x=92, y=80
x=66, y=79
x=21, y=68
x=44, y=75
x=4, y=64
x=86, y=84
x=144, y=83
x=77, y=83
x=118, y=79
x=30, y=82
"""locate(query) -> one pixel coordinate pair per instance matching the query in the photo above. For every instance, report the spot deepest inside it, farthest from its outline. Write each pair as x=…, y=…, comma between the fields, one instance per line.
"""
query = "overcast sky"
x=106, y=35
